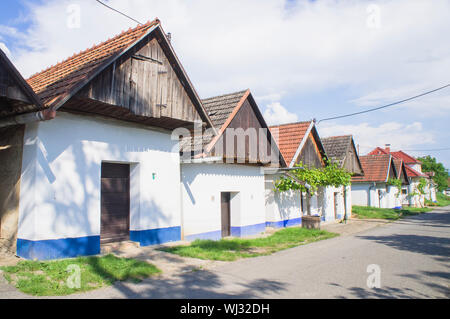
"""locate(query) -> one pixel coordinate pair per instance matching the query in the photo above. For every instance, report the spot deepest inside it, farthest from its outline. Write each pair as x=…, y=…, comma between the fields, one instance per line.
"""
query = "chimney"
x=388, y=148
x=169, y=37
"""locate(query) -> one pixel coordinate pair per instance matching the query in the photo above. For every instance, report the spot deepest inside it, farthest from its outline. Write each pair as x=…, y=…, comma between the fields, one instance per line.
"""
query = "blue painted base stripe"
x=285, y=223
x=58, y=248
x=398, y=207
x=156, y=236
x=212, y=235
x=242, y=231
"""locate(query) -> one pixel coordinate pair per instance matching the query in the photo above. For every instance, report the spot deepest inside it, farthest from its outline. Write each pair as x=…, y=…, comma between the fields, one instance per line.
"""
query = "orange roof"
x=405, y=157
x=408, y=159
x=376, y=168
x=57, y=82
x=288, y=137
x=413, y=173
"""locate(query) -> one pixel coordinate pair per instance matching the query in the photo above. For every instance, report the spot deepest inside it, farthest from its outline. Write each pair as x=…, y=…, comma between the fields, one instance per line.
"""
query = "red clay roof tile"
x=288, y=137
x=57, y=81
x=376, y=168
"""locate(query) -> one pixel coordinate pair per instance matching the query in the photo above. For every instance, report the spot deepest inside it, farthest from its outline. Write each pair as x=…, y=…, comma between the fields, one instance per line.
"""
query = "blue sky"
x=301, y=59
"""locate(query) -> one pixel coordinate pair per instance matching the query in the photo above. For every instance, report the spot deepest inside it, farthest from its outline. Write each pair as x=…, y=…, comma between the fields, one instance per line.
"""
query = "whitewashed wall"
x=60, y=187
x=366, y=194
x=202, y=185
x=282, y=208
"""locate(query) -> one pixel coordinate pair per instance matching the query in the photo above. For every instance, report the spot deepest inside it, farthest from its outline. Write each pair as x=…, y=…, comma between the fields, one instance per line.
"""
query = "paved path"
x=413, y=255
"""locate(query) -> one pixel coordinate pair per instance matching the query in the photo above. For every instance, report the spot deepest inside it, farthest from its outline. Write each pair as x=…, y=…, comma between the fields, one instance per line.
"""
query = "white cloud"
x=228, y=45
x=275, y=114
x=399, y=135
x=5, y=49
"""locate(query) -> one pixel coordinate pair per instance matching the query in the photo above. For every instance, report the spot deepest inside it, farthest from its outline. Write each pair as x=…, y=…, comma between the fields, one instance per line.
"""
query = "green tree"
x=429, y=164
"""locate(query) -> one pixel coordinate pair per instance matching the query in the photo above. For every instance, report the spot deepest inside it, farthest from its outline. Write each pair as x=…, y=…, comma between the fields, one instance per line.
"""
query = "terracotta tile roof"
x=405, y=157
x=337, y=147
x=413, y=173
x=288, y=137
x=376, y=168
x=57, y=82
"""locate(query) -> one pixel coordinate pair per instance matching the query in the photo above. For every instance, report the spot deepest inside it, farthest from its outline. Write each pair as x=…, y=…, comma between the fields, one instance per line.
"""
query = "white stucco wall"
x=281, y=206
x=60, y=186
x=367, y=194
x=202, y=185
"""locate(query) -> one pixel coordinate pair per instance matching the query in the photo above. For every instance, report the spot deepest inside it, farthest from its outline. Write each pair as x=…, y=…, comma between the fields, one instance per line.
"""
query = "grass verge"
x=51, y=278
x=363, y=212
x=235, y=248
x=442, y=200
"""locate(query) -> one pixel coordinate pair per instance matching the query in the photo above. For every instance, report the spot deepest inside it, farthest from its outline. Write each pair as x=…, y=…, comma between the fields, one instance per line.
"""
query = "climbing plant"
x=330, y=175
x=397, y=183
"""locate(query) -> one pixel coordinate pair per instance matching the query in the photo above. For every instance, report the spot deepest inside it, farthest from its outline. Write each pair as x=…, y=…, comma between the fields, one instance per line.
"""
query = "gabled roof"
x=59, y=81
x=407, y=159
x=337, y=147
x=413, y=173
x=400, y=167
x=222, y=110
x=376, y=168
x=15, y=75
x=57, y=84
x=289, y=137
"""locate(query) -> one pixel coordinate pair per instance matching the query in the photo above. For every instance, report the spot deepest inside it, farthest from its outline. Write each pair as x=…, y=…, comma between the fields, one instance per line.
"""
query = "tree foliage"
x=430, y=164
x=330, y=175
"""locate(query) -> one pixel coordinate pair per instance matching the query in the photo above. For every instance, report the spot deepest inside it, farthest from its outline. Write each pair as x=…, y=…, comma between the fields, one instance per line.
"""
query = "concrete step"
x=122, y=246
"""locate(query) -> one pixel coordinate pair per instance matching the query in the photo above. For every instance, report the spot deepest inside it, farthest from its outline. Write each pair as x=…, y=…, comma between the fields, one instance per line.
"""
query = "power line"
x=433, y=150
x=384, y=106
x=119, y=12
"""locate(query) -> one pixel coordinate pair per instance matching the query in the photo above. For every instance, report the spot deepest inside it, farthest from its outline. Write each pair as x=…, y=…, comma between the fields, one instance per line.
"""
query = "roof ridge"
x=293, y=123
x=227, y=94
x=95, y=46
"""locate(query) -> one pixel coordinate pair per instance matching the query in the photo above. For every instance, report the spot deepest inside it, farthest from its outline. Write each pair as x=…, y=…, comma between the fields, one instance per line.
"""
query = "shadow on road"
x=195, y=285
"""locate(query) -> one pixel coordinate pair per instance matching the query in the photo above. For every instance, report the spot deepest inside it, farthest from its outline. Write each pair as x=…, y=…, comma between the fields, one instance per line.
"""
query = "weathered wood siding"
x=351, y=163
x=310, y=155
x=145, y=83
x=12, y=98
x=245, y=119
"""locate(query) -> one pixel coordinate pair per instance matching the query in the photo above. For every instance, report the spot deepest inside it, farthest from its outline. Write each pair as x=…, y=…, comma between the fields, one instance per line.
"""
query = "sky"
x=302, y=60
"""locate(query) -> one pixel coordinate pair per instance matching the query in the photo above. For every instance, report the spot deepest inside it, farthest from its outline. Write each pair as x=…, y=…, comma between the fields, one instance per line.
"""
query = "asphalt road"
x=413, y=256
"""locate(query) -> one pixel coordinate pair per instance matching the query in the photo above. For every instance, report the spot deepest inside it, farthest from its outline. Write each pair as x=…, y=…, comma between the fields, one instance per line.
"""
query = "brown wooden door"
x=226, y=218
x=115, y=202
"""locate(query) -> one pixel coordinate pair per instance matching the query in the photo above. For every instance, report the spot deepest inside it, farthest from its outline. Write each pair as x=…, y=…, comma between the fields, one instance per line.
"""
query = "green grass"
x=442, y=200
x=49, y=278
x=363, y=212
x=235, y=248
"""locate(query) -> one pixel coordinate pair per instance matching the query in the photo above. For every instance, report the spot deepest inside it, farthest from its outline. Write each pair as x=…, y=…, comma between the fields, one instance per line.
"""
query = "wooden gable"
x=310, y=154
x=351, y=162
x=245, y=122
x=16, y=97
x=143, y=85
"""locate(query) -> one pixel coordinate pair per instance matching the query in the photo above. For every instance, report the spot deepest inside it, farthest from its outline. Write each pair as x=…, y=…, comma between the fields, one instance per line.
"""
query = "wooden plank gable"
x=246, y=124
x=351, y=162
x=16, y=96
x=310, y=154
x=145, y=84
